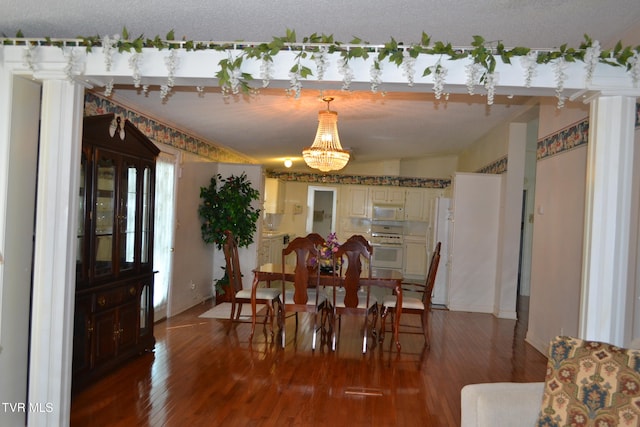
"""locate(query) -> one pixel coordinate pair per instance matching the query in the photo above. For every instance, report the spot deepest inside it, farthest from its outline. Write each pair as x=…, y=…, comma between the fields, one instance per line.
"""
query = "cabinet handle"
x=132, y=290
x=117, y=332
x=102, y=301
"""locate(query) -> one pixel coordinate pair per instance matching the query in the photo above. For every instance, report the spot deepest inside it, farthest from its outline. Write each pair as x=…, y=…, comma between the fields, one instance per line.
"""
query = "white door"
x=163, y=232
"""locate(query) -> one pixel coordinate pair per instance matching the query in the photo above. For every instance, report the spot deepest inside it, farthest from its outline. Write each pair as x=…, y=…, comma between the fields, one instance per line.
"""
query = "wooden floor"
x=204, y=372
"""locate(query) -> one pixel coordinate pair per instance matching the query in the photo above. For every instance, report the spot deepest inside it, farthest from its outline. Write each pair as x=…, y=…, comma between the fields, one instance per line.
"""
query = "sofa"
x=588, y=383
x=501, y=404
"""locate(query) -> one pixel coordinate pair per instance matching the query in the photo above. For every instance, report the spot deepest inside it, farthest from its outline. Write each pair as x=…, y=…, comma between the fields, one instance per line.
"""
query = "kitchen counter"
x=270, y=234
x=271, y=245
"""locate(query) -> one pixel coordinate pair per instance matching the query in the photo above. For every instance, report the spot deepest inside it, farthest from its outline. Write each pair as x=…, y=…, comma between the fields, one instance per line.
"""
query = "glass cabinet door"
x=146, y=215
x=127, y=215
x=104, y=213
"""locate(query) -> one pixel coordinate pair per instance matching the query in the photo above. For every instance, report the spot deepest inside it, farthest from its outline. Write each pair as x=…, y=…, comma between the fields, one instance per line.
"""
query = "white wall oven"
x=386, y=241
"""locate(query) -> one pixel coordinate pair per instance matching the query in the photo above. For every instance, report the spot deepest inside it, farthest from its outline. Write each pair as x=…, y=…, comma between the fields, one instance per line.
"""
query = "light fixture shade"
x=326, y=153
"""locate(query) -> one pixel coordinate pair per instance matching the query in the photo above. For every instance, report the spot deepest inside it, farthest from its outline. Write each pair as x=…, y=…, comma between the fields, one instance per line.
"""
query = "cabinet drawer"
x=114, y=297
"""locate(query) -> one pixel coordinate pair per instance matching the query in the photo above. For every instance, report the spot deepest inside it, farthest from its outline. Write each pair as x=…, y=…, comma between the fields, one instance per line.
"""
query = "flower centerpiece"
x=325, y=254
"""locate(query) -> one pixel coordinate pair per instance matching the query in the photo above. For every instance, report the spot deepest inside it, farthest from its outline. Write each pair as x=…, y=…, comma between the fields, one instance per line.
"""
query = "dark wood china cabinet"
x=114, y=262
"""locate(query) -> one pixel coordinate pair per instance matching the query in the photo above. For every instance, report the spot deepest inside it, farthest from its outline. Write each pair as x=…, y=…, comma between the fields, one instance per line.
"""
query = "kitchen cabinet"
x=393, y=195
x=415, y=258
x=358, y=205
x=417, y=206
x=113, y=318
x=271, y=246
x=274, y=194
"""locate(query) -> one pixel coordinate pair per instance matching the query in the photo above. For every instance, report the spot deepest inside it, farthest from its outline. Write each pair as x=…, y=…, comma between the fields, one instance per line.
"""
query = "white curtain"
x=163, y=230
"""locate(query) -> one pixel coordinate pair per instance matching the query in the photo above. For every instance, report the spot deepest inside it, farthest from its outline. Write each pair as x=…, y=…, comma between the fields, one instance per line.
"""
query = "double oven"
x=387, y=243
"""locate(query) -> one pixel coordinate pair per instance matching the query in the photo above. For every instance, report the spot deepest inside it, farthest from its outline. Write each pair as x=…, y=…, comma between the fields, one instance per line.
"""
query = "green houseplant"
x=226, y=205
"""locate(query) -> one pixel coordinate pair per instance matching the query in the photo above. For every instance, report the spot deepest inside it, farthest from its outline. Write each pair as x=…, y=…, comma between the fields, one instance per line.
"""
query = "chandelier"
x=326, y=153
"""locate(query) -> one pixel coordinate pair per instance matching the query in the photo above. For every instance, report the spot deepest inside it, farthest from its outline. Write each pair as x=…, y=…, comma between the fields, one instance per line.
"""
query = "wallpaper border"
x=563, y=140
x=497, y=167
x=383, y=180
x=161, y=133
x=572, y=136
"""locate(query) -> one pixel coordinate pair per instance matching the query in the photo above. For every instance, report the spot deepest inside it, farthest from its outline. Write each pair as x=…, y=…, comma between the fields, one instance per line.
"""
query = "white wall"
x=248, y=256
x=429, y=167
x=510, y=230
x=193, y=259
x=556, y=264
x=196, y=262
x=389, y=167
x=551, y=119
x=530, y=187
x=486, y=150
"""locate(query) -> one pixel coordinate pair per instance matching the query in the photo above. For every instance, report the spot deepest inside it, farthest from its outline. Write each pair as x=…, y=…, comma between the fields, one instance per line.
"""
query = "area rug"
x=223, y=311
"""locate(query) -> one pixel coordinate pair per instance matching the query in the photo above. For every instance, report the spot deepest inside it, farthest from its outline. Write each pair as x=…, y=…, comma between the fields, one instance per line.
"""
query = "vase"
x=326, y=269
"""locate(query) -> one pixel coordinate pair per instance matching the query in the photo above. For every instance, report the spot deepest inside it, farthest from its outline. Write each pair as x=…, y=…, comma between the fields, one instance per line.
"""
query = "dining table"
x=389, y=279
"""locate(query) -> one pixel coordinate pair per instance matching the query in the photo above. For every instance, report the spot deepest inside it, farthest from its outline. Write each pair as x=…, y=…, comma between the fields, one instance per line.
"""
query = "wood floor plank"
x=205, y=372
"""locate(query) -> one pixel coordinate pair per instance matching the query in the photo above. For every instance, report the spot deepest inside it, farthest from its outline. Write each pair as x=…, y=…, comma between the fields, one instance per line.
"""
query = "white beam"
x=198, y=68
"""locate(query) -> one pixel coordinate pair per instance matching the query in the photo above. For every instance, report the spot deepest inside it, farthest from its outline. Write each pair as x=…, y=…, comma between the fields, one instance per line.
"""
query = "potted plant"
x=226, y=205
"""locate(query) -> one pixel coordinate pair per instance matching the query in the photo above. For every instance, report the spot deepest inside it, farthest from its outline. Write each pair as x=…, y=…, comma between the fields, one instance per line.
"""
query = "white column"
x=607, y=288
x=54, y=257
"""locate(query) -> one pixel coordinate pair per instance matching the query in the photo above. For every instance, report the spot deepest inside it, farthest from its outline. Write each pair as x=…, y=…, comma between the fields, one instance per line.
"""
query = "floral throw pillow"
x=590, y=383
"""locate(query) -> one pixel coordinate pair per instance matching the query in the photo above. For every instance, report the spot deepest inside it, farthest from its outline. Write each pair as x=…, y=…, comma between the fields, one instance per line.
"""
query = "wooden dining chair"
x=412, y=305
x=363, y=240
x=306, y=295
x=268, y=296
x=352, y=300
x=318, y=242
x=360, y=238
x=317, y=239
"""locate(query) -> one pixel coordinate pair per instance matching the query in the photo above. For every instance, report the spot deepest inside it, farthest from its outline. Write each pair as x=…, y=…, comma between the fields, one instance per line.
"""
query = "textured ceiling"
x=540, y=23
x=273, y=126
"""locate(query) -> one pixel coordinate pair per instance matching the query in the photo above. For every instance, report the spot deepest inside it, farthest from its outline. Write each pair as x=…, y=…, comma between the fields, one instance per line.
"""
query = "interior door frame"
x=311, y=193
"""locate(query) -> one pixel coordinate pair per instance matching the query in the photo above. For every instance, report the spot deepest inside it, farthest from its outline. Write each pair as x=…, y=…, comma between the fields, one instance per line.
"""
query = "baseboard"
x=472, y=308
x=541, y=345
x=513, y=315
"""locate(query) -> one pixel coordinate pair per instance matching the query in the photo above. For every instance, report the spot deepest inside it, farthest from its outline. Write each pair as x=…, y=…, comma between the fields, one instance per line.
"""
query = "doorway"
x=321, y=216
